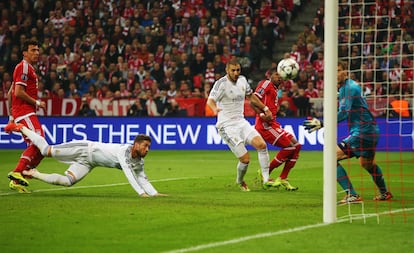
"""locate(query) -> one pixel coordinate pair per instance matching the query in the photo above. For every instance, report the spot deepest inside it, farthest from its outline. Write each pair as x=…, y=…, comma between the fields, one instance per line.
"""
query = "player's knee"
x=298, y=147
x=245, y=158
x=67, y=182
x=367, y=166
x=260, y=145
x=70, y=179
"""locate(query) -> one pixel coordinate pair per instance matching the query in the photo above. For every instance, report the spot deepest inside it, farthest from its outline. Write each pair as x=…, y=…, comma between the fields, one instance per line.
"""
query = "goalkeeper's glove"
x=312, y=124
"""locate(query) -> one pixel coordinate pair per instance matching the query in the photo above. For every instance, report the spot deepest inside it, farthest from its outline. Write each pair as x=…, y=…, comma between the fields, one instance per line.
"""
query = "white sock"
x=53, y=178
x=37, y=140
x=263, y=157
x=241, y=171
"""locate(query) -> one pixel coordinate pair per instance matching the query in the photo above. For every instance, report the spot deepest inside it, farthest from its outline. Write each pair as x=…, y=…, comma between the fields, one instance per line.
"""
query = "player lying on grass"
x=83, y=156
x=361, y=142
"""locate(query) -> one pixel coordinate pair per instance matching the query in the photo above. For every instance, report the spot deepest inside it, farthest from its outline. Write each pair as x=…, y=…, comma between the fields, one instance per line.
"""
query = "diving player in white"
x=226, y=100
x=83, y=156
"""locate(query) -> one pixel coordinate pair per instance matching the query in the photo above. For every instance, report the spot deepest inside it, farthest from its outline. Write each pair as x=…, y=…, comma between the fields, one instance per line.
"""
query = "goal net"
x=375, y=38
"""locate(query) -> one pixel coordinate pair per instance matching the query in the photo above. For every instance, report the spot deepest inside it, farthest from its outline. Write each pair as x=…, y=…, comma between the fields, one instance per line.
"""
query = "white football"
x=288, y=69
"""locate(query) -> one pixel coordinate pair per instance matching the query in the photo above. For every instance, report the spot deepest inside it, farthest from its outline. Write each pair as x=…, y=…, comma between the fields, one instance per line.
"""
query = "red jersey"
x=267, y=93
x=24, y=74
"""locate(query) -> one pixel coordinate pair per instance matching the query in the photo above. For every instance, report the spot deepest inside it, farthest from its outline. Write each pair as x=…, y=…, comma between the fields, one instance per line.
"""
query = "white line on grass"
x=268, y=234
x=95, y=186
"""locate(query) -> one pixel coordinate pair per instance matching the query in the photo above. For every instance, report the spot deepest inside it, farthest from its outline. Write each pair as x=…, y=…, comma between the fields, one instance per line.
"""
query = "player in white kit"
x=83, y=156
x=226, y=100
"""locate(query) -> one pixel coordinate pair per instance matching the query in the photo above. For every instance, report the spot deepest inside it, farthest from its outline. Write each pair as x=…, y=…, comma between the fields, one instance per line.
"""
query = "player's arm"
x=20, y=92
x=259, y=107
x=213, y=106
x=345, y=104
x=139, y=181
x=257, y=110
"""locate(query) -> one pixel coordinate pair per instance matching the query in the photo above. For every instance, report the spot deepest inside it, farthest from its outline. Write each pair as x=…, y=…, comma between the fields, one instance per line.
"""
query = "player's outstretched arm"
x=312, y=124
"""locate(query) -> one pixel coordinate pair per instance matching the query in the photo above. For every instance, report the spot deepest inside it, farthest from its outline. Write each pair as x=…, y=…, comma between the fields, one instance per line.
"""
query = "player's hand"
x=268, y=115
x=42, y=105
x=312, y=124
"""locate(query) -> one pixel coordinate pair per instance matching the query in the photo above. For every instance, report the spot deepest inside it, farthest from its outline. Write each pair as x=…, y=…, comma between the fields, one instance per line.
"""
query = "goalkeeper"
x=83, y=156
x=361, y=142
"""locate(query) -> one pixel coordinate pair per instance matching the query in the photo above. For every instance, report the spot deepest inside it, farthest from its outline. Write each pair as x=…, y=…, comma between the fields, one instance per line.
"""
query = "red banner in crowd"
x=195, y=107
x=105, y=107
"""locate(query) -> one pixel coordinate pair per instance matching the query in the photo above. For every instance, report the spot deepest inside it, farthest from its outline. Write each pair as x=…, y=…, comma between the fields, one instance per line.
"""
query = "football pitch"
x=205, y=211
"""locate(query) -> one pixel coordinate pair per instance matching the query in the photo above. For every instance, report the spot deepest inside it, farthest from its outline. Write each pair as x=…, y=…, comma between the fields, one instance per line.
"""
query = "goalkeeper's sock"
x=241, y=171
x=378, y=178
x=263, y=157
x=343, y=180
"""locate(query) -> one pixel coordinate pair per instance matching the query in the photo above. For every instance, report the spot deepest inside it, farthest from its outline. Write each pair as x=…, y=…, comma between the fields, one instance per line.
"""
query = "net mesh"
x=375, y=38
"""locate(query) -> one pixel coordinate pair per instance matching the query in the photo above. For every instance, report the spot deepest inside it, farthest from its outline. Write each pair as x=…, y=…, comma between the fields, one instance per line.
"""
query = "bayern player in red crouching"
x=23, y=102
x=273, y=133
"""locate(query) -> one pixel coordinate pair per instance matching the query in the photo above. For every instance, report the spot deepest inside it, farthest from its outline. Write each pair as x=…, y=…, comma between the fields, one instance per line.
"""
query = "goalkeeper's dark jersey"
x=353, y=107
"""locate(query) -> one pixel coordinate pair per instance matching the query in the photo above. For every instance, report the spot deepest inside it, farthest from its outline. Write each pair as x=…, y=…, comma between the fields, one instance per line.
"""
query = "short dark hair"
x=233, y=62
x=142, y=137
x=29, y=42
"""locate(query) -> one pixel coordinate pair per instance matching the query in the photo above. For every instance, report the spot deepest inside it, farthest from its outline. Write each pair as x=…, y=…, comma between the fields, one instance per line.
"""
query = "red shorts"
x=33, y=123
x=274, y=134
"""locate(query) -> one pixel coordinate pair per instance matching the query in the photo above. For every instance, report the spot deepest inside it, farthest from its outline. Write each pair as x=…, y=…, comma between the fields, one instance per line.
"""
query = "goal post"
x=330, y=111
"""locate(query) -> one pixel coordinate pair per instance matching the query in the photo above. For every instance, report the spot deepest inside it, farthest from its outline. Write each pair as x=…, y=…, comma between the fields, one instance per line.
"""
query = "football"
x=288, y=69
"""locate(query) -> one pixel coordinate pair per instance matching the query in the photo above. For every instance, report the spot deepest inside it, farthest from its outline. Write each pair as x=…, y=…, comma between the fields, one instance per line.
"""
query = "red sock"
x=280, y=158
x=30, y=158
x=291, y=162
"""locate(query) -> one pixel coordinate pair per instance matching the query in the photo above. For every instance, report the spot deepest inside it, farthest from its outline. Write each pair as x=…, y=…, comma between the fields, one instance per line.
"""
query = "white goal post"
x=330, y=111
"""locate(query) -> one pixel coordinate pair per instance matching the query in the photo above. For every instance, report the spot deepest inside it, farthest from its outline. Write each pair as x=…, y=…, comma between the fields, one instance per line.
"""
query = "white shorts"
x=237, y=136
x=76, y=154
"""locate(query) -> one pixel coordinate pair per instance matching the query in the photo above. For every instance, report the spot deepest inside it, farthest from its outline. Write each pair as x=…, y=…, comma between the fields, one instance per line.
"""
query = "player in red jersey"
x=23, y=102
x=273, y=133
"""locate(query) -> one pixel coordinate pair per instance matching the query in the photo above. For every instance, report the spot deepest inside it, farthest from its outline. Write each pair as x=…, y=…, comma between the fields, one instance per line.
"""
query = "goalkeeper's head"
x=342, y=73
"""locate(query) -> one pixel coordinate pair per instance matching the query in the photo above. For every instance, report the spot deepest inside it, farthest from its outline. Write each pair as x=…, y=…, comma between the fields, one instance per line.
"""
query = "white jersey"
x=93, y=154
x=229, y=97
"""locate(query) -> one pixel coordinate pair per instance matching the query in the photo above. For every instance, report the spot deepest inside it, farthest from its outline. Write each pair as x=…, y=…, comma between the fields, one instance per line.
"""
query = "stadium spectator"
x=302, y=103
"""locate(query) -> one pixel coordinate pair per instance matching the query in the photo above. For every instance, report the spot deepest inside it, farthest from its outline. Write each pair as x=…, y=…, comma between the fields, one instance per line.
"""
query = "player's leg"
x=31, y=156
x=72, y=175
x=375, y=171
x=344, y=151
x=231, y=136
x=257, y=141
x=37, y=140
x=292, y=147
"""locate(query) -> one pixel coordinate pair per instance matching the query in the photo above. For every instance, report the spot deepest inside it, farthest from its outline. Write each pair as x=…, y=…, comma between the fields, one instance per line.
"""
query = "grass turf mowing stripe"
x=94, y=186
x=269, y=234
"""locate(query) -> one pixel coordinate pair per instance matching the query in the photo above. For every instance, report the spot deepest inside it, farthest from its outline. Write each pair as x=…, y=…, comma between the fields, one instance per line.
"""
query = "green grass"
x=203, y=208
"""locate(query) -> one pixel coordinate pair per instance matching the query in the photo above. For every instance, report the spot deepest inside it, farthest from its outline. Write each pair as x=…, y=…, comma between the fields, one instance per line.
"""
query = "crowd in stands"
x=156, y=51
x=375, y=38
